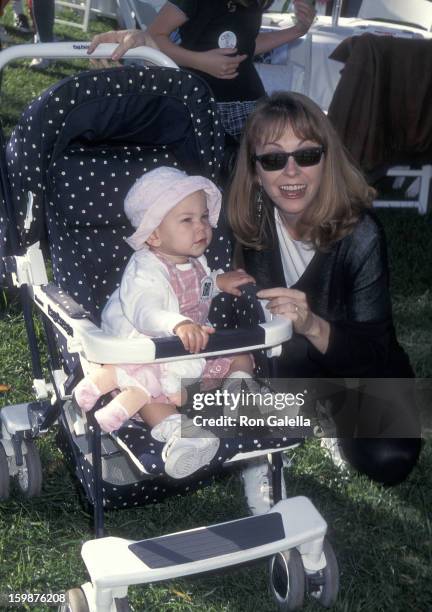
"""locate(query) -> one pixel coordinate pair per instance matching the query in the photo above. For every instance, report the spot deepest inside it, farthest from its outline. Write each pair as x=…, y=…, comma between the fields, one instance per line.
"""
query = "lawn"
x=382, y=537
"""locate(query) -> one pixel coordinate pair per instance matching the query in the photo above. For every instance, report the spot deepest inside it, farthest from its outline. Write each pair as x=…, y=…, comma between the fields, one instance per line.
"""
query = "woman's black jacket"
x=348, y=286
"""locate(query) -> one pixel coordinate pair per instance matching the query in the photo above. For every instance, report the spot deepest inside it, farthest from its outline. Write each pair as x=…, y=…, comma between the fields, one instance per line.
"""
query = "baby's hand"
x=193, y=336
x=229, y=281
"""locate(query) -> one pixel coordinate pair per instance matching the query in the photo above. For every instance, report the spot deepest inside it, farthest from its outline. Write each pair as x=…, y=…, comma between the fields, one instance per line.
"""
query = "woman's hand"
x=229, y=281
x=126, y=39
x=220, y=63
x=193, y=336
x=305, y=14
x=290, y=303
x=293, y=305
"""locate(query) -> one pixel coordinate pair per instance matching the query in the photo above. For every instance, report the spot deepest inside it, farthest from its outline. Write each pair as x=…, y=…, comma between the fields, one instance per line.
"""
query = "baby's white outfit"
x=154, y=296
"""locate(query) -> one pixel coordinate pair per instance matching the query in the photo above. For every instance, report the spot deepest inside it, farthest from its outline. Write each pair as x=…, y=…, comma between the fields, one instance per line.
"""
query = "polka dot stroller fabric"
x=73, y=156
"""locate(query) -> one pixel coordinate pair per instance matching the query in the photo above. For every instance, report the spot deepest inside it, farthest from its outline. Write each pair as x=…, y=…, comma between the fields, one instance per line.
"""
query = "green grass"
x=382, y=536
x=19, y=87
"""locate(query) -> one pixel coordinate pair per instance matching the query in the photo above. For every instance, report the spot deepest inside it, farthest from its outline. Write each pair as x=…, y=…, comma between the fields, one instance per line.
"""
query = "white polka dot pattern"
x=127, y=106
x=78, y=148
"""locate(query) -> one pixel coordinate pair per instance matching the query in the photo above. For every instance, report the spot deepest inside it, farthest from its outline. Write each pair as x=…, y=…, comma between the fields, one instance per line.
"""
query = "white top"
x=296, y=254
x=145, y=302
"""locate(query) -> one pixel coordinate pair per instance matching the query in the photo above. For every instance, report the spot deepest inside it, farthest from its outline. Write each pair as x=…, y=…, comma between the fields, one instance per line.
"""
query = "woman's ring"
x=296, y=308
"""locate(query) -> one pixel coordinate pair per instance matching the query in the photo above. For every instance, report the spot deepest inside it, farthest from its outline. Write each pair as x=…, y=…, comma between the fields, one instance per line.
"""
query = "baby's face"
x=185, y=231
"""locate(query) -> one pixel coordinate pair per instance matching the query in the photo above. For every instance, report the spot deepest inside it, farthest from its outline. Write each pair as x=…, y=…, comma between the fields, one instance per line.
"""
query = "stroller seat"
x=85, y=142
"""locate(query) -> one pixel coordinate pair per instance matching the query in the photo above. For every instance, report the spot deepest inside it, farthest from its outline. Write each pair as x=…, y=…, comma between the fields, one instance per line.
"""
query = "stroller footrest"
x=113, y=562
x=207, y=542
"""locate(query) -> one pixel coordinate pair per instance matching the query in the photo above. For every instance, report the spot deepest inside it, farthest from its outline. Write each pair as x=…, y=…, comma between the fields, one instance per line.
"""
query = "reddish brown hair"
x=343, y=193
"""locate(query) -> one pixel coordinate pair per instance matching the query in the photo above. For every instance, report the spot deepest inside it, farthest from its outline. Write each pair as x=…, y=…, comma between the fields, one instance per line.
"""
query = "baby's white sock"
x=163, y=430
x=232, y=378
x=112, y=416
x=87, y=394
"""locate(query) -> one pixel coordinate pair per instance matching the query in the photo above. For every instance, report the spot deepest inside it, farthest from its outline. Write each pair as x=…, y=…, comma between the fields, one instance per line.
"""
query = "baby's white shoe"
x=184, y=455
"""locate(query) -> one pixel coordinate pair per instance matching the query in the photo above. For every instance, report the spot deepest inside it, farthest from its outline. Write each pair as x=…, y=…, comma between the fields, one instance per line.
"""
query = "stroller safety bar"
x=78, y=50
x=95, y=345
x=115, y=562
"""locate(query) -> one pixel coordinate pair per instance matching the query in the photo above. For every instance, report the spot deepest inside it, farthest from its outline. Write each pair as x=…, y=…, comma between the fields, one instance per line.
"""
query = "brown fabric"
x=382, y=106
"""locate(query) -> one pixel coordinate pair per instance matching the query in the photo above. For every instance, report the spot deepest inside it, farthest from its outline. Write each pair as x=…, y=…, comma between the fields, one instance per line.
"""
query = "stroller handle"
x=78, y=50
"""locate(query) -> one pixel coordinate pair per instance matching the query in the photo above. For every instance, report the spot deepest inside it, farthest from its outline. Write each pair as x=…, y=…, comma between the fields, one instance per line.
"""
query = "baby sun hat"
x=154, y=194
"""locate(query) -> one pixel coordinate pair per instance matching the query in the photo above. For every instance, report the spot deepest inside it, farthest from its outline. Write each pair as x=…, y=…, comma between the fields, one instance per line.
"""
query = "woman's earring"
x=259, y=201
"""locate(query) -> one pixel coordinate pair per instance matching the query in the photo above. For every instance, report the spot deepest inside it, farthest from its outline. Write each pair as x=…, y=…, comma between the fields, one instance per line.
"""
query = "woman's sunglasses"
x=302, y=157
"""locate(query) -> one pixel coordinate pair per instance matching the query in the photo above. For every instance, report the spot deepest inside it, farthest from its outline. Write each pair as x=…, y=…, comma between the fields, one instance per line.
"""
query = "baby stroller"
x=67, y=167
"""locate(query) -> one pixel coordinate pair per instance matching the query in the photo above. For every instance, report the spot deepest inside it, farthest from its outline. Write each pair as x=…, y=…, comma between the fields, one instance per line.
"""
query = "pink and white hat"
x=154, y=194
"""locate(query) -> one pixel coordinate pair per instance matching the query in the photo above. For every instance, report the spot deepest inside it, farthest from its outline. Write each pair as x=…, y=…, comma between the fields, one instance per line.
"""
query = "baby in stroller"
x=166, y=289
x=109, y=128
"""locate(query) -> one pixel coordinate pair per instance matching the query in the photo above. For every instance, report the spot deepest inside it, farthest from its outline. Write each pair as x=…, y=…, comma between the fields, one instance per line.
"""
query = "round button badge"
x=227, y=40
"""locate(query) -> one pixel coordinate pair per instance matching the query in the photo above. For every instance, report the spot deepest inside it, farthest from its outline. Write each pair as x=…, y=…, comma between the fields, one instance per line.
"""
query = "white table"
x=312, y=72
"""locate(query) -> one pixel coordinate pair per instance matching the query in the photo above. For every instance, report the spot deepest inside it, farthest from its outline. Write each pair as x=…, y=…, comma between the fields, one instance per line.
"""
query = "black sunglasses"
x=302, y=157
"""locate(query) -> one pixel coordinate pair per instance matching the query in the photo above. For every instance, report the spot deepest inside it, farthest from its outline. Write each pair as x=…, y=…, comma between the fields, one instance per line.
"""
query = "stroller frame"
x=291, y=534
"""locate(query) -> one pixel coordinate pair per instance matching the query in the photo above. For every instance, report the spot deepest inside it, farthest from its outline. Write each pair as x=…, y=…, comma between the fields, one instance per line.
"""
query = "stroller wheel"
x=287, y=580
x=324, y=585
x=4, y=474
x=29, y=477
x=75, y=602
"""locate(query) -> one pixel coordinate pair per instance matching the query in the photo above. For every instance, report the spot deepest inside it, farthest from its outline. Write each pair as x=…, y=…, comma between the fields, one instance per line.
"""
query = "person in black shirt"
x=219, y=39
x=300, y=211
